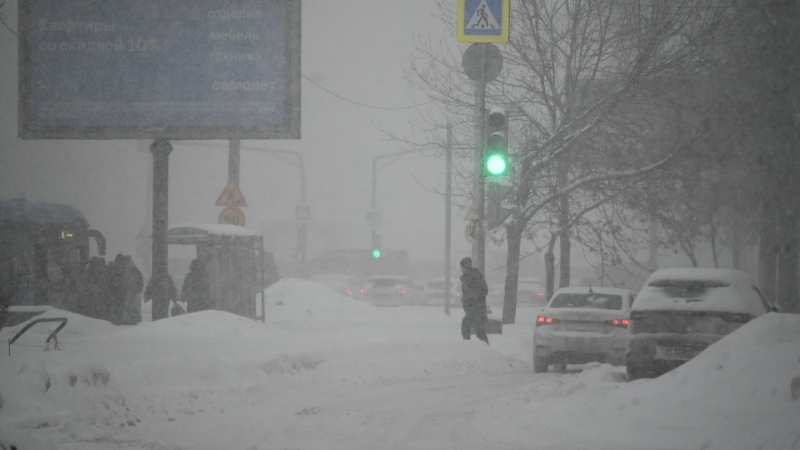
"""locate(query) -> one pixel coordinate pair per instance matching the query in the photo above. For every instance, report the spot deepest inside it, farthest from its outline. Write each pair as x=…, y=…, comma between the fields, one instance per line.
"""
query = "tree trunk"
x=564, y=242
x=550, y=267
x=514, y=234
x=713, y=237
x=767, y=245
x=788, y=288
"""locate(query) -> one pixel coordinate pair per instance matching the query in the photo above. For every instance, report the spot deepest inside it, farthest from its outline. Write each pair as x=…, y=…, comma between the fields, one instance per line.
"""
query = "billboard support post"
x=160, y=149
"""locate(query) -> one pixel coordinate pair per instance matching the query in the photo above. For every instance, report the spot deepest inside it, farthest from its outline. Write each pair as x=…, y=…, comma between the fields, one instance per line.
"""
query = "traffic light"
x=376, y=245
x=496, y=152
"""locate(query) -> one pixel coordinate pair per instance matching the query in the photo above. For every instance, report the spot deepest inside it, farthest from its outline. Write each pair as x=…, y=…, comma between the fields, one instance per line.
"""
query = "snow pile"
x=328, y=371
x=747, y=374
x=298, y=300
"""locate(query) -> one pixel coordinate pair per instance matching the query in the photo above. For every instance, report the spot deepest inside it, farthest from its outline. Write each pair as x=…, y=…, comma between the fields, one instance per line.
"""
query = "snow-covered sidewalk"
x=330, y=372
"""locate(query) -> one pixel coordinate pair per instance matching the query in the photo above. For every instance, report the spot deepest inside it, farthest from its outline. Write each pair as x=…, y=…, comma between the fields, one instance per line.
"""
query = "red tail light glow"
x=546, y=320
x=621, y=323
x=401, y=291
x=363, y=291
x=458, y=294
x=348, y=292
x=539, y=294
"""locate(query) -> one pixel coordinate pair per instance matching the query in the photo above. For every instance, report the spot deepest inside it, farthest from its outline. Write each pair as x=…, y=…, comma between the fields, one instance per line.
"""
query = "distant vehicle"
x=531, y=292
x=680, y=312
x=581, y=325
x=391, y=291
x=433, y=294
x=343, y=284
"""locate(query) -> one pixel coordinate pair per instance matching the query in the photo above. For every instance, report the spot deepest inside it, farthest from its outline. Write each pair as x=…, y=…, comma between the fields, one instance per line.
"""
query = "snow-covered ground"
x=330, y=372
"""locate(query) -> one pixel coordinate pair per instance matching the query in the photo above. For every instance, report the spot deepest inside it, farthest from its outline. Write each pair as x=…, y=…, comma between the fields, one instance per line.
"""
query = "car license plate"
x=684, y=352
x=581, y=326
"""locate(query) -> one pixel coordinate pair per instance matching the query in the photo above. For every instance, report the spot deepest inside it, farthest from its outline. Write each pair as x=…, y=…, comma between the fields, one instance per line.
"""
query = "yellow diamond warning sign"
x=231, y=196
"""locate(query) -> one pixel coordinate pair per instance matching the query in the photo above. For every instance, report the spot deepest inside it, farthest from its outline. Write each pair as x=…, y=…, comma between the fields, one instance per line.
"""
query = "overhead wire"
x=395, y=108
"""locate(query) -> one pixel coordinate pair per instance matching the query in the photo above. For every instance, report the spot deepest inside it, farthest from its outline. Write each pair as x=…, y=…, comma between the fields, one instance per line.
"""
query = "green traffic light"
x=376, y=253
x=496, y=165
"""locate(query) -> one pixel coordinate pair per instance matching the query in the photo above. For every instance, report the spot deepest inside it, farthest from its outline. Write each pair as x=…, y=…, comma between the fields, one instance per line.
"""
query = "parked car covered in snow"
x=581, y=325
x=680, y=312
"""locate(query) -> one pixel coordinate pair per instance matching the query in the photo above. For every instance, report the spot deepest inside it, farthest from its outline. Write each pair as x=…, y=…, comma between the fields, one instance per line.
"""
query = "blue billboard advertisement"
x=173, y=69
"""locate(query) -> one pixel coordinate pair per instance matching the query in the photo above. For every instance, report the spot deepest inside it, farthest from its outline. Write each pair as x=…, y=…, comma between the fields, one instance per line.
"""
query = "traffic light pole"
x=479, y=248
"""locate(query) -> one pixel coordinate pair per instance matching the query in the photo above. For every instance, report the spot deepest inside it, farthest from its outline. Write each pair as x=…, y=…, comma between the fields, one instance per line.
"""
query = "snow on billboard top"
x=148, y=69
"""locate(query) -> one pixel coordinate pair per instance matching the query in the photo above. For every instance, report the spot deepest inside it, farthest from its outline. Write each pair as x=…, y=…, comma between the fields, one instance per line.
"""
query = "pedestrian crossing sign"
x=303, y=213
x=483, y=20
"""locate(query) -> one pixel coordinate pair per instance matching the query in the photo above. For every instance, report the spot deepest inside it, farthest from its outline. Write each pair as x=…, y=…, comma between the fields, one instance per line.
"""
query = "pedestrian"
x=196, y=290
x=115, y=285
x=97, y=301
x=132, y=285
x=161, y=305
x=473, y=298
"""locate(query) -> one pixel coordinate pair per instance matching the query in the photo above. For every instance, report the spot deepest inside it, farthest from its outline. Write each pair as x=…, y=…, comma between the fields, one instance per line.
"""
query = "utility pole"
x=479, y=248
x=448, y=189
x=234, y=159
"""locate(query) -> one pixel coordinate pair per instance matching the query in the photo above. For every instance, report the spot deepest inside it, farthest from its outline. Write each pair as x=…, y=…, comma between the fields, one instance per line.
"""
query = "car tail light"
x=348, y=292
x=363, y=291
x=458, y=294
x=621, y=323
x=401, y=291
x=539, y=294
x=546, y=320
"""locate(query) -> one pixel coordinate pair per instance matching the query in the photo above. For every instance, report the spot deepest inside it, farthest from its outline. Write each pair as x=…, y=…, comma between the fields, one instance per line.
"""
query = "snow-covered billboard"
x=175, y=69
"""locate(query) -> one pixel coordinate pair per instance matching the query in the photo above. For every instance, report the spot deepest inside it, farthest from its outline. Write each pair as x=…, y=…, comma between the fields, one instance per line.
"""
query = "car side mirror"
x=775, y=308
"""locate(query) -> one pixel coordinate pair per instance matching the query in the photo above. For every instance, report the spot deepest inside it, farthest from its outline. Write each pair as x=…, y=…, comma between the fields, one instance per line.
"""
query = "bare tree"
x=570, y=66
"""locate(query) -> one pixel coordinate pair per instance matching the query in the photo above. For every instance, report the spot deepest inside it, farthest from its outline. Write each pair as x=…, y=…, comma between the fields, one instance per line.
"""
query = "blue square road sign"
x=483, y=20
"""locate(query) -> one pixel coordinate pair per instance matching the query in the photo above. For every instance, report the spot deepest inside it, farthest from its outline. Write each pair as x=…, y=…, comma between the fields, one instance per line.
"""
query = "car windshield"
x=385, y=283
x=593, y=300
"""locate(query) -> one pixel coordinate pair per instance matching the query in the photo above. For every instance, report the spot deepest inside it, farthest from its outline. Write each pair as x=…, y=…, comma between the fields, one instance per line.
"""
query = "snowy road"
x=326, y=372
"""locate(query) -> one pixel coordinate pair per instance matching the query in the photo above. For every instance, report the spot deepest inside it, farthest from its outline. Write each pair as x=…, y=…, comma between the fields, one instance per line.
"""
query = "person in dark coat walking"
x=161, y=305
x=474, y=291
x=196, y=290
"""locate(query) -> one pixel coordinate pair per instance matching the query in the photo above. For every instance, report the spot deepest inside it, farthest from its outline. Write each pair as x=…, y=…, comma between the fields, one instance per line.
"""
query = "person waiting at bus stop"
x=196, y=289
x=474, y=291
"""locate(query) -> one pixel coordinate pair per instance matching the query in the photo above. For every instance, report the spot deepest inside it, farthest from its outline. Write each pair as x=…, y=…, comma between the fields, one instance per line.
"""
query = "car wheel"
x=539, y=364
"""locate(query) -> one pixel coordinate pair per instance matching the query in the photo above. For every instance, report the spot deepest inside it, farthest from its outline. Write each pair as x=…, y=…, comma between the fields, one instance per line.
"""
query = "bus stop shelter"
x=234, y=259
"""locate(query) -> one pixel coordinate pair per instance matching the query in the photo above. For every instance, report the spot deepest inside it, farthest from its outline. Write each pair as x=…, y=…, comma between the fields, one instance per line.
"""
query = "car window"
x=763, y=299
x=687, y=288
x=580, y=300
x=630, y=301
x=384, y=283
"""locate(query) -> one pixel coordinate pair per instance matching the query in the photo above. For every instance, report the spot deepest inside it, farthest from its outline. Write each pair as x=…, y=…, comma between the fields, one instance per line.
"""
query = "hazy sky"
x=355, y=48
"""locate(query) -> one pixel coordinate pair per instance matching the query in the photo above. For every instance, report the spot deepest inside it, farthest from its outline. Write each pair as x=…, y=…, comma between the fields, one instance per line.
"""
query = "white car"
x=581, y=325
x=391, y=291
x=433, y=294
x=680, y=312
